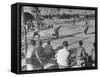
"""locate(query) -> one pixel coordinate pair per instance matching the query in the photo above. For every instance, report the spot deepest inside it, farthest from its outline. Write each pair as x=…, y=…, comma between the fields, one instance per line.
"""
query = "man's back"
x=48, y=49
x=62, y=57
x=40, y=51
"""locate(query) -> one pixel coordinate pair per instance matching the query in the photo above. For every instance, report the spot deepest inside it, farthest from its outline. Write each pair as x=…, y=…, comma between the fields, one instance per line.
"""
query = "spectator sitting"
x=48, y=50
x=81, y=52
x=93, y=55
x=29, y=55
x=40, y=49
x=39, y=53
x=62, y=56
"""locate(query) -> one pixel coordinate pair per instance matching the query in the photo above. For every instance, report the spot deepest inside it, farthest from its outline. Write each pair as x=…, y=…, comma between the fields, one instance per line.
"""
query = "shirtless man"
x=48, y=50
x=32, y=56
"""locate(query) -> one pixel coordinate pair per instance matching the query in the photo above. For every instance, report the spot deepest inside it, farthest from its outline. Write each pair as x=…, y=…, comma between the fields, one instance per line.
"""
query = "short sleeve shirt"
x=62, y=56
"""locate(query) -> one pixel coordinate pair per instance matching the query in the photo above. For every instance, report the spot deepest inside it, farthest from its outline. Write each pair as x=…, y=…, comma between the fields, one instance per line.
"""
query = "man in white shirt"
x=62, y=56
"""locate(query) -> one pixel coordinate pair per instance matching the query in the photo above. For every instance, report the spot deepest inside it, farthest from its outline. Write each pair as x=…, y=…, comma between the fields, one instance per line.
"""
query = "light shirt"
x=30, y=51
x=62, y=57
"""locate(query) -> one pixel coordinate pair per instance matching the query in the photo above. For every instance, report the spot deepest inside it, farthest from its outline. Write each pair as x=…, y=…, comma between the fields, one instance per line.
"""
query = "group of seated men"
x=37, y=56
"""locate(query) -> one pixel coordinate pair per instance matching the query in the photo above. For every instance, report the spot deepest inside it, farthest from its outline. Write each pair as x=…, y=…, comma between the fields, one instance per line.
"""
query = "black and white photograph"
x=57, y=38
